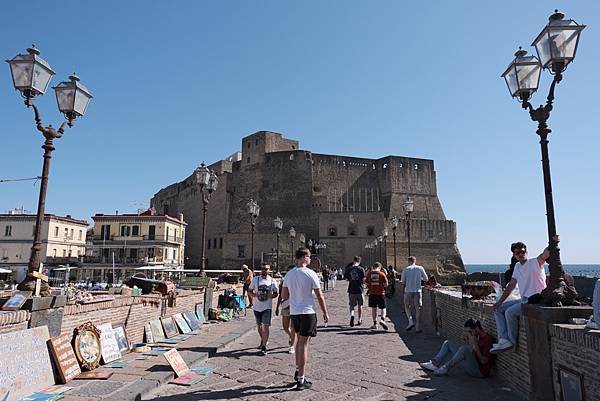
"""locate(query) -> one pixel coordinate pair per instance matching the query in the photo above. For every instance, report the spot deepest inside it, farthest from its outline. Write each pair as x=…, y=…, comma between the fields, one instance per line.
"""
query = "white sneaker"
x=429, y=365
x=500, y=341
x=441, y=371
x=502, y=345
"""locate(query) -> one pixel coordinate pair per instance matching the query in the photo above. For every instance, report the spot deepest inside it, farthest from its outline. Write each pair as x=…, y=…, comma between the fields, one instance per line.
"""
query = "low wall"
x=573, y=347
x=14, y=320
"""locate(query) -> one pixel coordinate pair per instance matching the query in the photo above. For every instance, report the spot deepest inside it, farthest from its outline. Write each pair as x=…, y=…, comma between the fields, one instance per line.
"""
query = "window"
x=241, y=251
x=8, y=231
x=370, y=231
x=72, y=233
x=80, y=236
x=167, y=233
x=208, y=244
x=150, y=252
x=135, y=231
x=70, y=253
x=66, y=232
x=333, y=231
x=33, y=232
x=56, y=231
x=64, y=253
x=248, y=145
x=54, y=252
x=221, y=243
x=257, y=141
x=352, y=230
x=248, y=160
x=215, y=243
x=151, y=232
x=174, y=254
x=125, y=231
x=105, y=232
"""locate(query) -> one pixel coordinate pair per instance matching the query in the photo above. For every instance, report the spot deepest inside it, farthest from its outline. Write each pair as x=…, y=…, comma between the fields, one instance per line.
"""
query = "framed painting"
x=148, y=337
x=108, y=343
x=168, y=325
x=571, y=384
x=192, y=320
x=121, y=337
x=86, y=345
x=181, y=323
x=157, y=330
x=16, y=301
x=200, y=313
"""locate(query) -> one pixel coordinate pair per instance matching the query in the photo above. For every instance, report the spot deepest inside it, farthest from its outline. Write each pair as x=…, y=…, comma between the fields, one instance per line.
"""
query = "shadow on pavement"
x=228, y=394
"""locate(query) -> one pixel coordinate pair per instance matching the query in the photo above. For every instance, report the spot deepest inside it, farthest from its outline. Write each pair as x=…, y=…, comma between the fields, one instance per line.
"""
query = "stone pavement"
x=141, y=376
x=345, y=364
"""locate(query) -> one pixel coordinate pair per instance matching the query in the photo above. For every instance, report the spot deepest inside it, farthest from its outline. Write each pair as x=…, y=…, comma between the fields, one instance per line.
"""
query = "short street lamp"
x=208, y=181
x=253, y=211
x=278, y=224
x=292, y=240
x=556, y=47
x=395, y=222
x=318, y=247
x=31, y=76
x=409, y=206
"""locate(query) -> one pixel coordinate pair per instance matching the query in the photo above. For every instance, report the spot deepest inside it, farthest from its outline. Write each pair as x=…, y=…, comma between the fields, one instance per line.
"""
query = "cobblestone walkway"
x=345, y=364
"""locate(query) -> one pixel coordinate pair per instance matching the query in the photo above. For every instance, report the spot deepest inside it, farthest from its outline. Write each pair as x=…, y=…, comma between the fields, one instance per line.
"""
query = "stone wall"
x=14, y=320
x=572, y=347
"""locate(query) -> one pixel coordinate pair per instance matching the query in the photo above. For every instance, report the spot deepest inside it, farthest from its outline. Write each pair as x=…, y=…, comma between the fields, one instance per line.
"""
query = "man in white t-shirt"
x=530, y=276
x=262, y=290
x=301, y=286
x=411, y=278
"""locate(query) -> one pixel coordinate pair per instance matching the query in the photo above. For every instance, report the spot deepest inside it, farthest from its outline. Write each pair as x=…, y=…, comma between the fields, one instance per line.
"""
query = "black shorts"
x=376, y=301
x=305, y=325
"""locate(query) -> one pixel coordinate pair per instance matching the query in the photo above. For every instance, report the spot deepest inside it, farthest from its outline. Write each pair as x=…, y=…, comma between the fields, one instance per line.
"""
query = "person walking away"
x=411, y=279
x=391, y=288
x=263, y=289
x=530, y=276
x=333, y=277
x=286, y=320
x=299, y=285
x=325, y=277
x=474, y=357
x=376, y=283
x=355, y=274
x=247, y=276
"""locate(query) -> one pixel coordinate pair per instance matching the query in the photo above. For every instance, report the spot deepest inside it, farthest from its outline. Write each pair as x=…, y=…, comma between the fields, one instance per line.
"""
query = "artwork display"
x=168, y=325
x=157, y=330
x=16, y=301
x=148, y=336
x=192, y=320
x=108, y=343
x=200, y=313
x=176, y=361
x=181, y=323
x=25, y=365
x=121, y=336
x=64, y=357
x=87, y=346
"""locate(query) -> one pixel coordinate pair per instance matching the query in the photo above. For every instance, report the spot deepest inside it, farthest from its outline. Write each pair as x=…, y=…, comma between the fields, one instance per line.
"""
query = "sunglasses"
x=520, y=252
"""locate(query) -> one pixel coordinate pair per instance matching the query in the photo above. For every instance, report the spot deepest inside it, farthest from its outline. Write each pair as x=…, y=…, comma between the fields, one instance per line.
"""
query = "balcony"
x=122, y=239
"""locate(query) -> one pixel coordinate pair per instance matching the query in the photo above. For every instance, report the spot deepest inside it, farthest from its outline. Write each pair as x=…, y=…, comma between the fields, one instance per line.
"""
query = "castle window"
x=248, y=160
x=241, y=251
x=292, y=156
x=400, y=164
x=249, y=144
x=208, y=244
x=370, y=231
x=352, y=230
x=257, y=141
x=332, y=231
x=373, y=166
x=293, y=147
x=416, y=166
x=385, y=166
x=221, y=243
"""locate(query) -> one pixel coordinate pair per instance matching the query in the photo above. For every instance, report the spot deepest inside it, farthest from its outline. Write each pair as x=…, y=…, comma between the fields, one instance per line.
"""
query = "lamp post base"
x=29, y=285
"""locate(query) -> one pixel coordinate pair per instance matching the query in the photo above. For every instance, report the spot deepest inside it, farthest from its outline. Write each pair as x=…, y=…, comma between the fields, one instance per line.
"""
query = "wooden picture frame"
x=571, y=384
x=158, y=332
x=16, y=300
x=169, y=326
x=108, y=343
x=184, y=327
x=192, y=320
x=86, y=344
x=148, y=335
x=121, y=336
x=200, y=313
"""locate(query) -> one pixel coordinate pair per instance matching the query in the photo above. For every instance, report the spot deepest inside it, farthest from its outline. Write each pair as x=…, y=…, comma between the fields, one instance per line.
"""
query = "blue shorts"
x=263, y=317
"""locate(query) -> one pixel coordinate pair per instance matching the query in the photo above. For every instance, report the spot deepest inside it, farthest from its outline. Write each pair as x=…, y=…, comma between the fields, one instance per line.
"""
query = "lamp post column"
x=408, y=232
x=395, y=258
x=203, y=247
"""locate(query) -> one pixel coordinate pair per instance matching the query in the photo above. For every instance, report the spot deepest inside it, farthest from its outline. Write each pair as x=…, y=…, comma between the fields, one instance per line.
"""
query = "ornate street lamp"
x=384, y=256
x=408, y=209
x=253, y=211
x=379, y=247
x=323, y=246
x=31, y=76
x=556, y=47
x=208, y=181
x=278, y=224
x=292, y=239
x=302, y=239
x=395, y=222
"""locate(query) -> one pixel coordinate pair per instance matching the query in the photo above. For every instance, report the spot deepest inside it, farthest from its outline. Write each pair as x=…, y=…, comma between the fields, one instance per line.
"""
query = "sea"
x=592, y=270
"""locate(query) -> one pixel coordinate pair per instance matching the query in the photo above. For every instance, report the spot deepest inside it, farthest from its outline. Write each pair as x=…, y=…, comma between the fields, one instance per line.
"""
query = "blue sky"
x=181, y=82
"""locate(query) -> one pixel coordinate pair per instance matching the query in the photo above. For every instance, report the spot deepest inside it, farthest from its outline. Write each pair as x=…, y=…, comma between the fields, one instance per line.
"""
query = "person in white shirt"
x=301, y=286
x=530, y=276
x=262, y=290
x=410, y=280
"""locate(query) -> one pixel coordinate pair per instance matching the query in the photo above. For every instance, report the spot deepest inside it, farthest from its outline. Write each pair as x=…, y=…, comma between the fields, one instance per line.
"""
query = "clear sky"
x=177, y=83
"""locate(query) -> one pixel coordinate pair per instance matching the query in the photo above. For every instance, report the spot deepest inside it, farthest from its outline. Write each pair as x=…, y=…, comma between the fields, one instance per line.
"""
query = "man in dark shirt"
x=355, y=275
x=475, y=358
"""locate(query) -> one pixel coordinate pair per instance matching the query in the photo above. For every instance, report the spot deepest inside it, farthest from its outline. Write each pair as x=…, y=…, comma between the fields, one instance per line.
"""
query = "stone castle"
x=341, y=201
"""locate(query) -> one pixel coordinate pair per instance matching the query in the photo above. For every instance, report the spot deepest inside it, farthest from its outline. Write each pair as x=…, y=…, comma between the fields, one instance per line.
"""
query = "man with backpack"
x=355, y=275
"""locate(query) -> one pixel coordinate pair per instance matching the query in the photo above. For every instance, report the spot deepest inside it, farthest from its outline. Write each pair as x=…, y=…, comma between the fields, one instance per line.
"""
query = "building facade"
x=341, y=201
x=132, y=241
x=63, y=240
